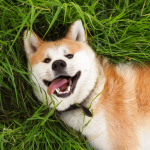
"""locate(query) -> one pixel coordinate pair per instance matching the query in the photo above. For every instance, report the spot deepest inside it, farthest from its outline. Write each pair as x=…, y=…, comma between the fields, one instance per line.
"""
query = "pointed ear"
x=76, y=32
x=31, y=43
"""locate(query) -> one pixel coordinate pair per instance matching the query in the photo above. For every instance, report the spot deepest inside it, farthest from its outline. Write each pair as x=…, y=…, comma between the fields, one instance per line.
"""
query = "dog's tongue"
x=56, y=84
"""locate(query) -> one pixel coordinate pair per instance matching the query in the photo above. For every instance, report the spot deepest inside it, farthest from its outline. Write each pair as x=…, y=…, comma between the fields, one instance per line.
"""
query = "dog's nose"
x=58, y=65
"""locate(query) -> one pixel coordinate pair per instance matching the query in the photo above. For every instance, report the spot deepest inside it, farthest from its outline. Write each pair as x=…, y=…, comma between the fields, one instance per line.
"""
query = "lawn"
x=118, y=30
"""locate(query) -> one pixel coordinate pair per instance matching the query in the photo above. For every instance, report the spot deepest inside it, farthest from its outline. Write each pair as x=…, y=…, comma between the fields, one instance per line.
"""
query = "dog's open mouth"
x=62, y=86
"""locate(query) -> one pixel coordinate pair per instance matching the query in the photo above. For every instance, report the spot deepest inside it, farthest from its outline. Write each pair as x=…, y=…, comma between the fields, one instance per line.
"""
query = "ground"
x=117, y=30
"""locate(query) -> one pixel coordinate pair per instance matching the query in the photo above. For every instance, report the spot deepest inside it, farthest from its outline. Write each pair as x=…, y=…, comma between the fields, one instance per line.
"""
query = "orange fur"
x=39, y=56
x=126, y=108
x=125, y=100
x=72, y=46
x=38, y=39
x=69, y=31
x=142, y=89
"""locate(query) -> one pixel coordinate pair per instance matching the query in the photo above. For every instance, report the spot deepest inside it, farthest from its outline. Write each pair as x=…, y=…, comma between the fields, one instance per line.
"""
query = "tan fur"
x=72, y=46
x=39, y=40
x=69, y=31
x=142, y=89
x=39, y=56
x=124, y=117
x=124, y=102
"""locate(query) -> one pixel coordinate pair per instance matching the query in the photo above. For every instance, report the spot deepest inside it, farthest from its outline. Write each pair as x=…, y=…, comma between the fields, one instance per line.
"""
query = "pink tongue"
x=56, y=84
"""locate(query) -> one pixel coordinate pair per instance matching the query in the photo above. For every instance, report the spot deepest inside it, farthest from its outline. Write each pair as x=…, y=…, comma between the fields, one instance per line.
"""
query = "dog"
x=109, y=103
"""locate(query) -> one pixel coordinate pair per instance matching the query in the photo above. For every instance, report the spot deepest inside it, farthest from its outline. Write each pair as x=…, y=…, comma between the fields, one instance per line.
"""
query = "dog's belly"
x=95, y=130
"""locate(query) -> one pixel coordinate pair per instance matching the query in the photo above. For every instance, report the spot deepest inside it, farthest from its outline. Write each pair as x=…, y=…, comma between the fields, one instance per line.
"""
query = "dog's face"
x=64, y=68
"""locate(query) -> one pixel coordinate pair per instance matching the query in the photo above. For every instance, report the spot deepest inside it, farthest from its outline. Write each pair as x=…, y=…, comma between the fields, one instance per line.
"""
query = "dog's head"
x=64, y=68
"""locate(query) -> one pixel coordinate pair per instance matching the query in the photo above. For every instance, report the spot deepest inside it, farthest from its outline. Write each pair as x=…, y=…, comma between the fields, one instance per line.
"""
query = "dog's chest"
x=93, y=128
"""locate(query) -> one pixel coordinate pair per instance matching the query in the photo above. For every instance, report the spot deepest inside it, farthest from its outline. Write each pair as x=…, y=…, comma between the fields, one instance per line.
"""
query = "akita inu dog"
x=70, y=71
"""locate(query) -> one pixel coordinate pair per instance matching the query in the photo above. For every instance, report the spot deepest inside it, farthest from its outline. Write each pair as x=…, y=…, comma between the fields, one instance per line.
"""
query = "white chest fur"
x=95, y=130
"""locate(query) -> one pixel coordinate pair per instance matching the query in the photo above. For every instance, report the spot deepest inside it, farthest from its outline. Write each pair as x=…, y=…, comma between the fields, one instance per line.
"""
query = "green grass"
x=118, y=30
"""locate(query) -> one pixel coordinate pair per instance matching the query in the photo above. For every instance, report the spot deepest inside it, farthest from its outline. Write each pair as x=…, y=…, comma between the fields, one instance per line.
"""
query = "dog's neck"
x=95, y=94
x=85, y=110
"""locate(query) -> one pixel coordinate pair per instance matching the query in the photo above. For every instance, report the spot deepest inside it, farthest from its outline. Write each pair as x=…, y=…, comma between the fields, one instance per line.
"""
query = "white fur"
x=77, y=32
x=89, y=85
x=145, y=140
x=30, y=41
x=95, y=131
x=128, y=73
x=86, y=66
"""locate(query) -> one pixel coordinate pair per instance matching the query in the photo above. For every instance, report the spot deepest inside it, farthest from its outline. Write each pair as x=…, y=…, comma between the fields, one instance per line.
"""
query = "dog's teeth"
x=70, y=82
x=67, y=91
x=57, y=90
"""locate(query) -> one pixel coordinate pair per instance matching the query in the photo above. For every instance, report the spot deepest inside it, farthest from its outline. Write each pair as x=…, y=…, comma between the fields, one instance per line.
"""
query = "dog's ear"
x=31, y=43
x=76, y=32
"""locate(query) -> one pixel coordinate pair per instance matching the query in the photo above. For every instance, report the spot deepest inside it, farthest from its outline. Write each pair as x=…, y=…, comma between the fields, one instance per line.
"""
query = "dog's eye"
x=47, y=60
x=69, y=56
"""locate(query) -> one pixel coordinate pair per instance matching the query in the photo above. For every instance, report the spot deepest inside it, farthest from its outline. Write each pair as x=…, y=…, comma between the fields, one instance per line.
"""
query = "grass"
x=118, y=30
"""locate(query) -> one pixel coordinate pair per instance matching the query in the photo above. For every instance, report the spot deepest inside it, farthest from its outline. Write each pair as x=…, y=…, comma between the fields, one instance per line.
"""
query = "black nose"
x=58, y=65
